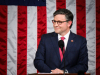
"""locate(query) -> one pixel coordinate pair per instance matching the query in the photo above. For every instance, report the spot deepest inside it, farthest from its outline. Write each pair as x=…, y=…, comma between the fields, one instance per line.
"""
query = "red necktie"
x=61, y=55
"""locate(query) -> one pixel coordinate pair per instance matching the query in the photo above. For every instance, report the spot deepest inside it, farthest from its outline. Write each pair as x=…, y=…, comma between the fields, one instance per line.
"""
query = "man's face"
x=63, y=27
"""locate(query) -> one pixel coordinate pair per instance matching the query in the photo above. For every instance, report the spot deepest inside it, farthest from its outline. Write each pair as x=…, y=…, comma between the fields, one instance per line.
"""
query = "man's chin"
x=56, y=32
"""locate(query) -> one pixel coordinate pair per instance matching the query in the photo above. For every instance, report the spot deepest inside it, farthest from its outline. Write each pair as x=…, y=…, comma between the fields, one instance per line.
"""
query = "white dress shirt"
x=65, y=40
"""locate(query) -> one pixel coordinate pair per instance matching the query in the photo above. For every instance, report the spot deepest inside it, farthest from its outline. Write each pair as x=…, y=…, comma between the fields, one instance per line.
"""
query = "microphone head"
x=80, y=72
x=61, y=43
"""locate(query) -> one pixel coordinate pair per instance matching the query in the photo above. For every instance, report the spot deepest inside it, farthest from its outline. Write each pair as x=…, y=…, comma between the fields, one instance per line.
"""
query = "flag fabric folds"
x=23, y=22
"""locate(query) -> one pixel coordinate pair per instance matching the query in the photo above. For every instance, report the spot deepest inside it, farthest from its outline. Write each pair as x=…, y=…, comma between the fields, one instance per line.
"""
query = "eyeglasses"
x=58, y=22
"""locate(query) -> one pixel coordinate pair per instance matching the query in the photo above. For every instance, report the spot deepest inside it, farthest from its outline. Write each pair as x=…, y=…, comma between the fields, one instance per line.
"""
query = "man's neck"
x=63, y=34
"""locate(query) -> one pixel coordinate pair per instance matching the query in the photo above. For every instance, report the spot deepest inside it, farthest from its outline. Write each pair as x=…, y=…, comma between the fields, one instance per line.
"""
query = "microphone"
x=81, y=73
x=61, y=45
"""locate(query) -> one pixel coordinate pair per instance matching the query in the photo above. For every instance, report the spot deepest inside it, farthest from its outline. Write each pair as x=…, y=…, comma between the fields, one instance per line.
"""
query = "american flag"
x=22, y=23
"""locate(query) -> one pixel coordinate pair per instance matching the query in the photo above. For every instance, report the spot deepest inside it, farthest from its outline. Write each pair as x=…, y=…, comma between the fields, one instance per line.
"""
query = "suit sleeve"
x=82, y=63
x=39, y=61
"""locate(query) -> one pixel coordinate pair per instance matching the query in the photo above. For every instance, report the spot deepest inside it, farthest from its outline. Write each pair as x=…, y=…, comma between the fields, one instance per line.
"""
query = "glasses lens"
x=52, y=21
x=59, y=22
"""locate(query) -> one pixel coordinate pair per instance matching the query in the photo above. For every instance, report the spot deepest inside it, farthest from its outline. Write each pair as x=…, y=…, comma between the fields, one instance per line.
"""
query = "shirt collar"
x=66, y=36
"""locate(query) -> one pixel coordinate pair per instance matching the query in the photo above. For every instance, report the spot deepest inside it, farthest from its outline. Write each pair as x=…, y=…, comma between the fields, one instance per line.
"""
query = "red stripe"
x=81, y=17
x=41, y=23
x=97, y=37
x=22, y=41
x=3, y=40
x=60, y=4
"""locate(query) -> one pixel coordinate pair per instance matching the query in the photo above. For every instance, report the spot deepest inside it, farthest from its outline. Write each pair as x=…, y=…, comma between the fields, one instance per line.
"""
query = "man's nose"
x=56, y=24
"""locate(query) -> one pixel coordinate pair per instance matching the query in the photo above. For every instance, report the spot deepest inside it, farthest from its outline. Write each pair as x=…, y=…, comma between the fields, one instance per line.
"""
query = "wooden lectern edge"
x=56, y=74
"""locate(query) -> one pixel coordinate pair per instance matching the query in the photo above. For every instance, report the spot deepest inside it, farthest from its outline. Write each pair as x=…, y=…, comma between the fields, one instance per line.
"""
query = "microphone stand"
x=64, y=59
x=64, y=64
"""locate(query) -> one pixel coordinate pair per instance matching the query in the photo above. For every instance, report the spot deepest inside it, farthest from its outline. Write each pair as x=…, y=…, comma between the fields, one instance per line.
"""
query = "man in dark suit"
x=48, y=57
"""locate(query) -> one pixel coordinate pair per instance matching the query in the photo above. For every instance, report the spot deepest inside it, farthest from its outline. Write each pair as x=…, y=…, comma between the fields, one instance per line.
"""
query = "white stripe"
x=51, y=8
x=31, y=38
x=71, y=5
x=12, y=41
x=91, y=34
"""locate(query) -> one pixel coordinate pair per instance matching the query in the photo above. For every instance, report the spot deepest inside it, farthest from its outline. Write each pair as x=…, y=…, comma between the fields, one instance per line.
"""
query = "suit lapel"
x=71, y=41
x=54, y=40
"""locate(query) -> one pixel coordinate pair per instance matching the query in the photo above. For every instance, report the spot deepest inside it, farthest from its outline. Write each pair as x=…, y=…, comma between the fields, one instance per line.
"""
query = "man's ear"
x=69, y=23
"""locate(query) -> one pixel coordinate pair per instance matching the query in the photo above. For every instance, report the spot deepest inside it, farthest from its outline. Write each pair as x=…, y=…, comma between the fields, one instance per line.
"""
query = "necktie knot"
x=62, y=38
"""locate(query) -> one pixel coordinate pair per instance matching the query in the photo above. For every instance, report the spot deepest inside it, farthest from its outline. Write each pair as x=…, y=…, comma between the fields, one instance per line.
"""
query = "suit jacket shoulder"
x=49, y=34
x=77, y=36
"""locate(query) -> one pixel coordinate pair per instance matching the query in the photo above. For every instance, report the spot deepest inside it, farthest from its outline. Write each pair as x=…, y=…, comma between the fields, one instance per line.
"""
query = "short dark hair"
x=68, y=14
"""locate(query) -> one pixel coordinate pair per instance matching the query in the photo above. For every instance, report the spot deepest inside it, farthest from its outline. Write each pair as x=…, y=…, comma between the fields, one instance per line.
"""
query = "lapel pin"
x=72, y=41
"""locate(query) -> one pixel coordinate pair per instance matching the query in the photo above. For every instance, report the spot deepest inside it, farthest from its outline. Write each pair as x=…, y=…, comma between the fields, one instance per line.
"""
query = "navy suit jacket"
x=48, y=58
